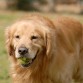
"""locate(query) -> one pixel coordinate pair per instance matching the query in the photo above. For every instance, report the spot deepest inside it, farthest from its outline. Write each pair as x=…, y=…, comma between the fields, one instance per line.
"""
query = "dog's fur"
x=60, y=50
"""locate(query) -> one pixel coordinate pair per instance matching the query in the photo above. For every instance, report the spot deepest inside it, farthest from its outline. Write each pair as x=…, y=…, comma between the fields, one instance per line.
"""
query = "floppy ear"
x=48, y=44
x=9, y=45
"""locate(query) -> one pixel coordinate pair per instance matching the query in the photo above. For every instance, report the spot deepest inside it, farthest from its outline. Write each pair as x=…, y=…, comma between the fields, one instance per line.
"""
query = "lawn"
x=7, y=18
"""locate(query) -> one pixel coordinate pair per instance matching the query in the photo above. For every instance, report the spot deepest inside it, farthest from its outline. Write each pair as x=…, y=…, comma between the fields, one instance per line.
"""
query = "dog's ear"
x=9, y=46
x=48, y=44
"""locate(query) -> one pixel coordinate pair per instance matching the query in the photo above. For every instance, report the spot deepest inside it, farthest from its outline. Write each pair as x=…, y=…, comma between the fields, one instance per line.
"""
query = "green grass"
x=7, y=18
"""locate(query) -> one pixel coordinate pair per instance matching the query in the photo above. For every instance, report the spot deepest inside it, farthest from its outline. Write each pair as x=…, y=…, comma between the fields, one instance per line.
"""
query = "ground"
x=6, y=19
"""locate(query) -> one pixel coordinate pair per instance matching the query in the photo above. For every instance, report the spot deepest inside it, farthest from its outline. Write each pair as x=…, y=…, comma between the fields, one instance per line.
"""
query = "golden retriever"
x=55, y=50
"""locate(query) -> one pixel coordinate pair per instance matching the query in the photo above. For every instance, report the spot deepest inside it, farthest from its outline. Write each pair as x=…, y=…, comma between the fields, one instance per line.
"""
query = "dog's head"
x=30, y=39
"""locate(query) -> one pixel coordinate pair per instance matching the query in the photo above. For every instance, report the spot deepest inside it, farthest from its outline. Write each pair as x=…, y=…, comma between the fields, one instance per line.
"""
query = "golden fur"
x=60, y=45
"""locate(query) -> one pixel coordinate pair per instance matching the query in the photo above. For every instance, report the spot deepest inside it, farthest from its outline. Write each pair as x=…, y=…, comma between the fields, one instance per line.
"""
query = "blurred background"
x=72, y=6
x=12, y=10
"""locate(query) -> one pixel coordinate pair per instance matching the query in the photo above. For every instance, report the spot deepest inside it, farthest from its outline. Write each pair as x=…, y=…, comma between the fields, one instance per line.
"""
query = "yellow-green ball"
x=23, y=60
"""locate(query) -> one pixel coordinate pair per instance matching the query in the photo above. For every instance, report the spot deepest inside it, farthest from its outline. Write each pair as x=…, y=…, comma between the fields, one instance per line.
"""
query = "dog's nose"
x=22, y=50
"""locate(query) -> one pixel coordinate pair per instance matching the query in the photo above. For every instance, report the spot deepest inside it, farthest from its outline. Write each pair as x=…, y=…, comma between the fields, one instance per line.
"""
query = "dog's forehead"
x=24, y=26
x=30, y=27
x=27, y=27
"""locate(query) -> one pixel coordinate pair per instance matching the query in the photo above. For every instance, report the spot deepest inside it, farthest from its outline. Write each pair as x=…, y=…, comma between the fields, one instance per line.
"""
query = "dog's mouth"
x=27, y=63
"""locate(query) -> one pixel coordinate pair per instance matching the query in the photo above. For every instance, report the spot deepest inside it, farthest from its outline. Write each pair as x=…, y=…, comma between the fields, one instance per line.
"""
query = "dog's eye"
x=34, y=37
x=17, y=36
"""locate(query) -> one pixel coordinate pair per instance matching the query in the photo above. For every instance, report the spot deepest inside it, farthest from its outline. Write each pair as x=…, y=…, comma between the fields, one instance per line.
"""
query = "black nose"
x=22, y=50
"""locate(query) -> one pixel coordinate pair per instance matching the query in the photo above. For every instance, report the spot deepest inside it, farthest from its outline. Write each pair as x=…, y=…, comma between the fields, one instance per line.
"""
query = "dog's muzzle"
x=23, y=51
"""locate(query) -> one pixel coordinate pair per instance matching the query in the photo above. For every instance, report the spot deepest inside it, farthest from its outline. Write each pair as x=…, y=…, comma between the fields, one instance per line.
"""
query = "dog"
x=54, y=49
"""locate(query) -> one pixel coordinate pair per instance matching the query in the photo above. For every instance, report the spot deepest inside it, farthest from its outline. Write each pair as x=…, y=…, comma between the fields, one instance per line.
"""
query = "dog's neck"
x=34, y=74
x=31, y=76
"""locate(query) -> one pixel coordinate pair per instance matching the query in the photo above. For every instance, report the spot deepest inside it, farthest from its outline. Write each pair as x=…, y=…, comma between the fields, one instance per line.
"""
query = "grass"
x=7, y=18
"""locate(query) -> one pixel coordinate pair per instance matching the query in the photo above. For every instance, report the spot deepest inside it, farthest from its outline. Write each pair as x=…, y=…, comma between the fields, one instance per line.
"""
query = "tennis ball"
x=23, y=60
